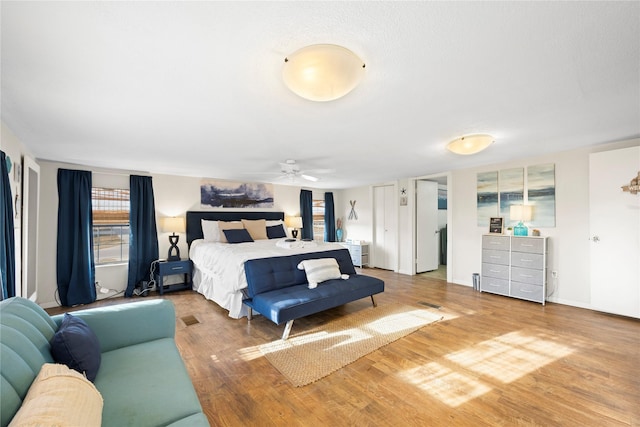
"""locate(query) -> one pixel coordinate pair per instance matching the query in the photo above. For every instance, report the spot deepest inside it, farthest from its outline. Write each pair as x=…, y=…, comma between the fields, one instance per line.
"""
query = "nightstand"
x=169, y=268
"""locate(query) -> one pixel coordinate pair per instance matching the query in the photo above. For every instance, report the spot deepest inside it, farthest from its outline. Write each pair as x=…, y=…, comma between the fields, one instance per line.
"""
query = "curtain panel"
x=306, y=211
x=75, y=267
x=7, y=243
x=329, y=218
x=143, y=238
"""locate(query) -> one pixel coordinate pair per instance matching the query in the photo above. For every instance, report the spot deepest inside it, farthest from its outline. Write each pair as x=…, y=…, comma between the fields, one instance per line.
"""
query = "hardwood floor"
x=492, y=361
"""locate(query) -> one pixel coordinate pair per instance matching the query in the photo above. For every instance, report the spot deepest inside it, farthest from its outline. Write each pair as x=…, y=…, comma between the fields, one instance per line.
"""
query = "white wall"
x=569, y=243
x=174, y=195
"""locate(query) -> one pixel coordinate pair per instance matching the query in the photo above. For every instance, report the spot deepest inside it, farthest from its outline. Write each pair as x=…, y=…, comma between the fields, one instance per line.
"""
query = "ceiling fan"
x=291, y=170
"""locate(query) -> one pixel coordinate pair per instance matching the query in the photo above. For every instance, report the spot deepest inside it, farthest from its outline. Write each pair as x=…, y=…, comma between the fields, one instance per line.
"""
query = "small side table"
x=169, y=268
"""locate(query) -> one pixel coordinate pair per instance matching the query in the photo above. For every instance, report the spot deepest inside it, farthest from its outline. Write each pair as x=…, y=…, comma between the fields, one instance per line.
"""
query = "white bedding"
x=219, y=267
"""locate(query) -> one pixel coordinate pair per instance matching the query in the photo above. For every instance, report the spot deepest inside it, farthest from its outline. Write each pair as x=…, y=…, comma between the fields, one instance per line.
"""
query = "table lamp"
x=173, y=225
x=521, y=213
x=295, y=223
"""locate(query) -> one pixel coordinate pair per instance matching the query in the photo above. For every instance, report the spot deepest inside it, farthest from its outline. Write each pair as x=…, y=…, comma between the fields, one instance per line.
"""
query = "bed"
x=218, y=267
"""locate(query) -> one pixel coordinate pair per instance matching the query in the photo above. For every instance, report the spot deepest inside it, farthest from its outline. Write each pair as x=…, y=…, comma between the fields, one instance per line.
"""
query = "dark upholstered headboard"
x=194, y=225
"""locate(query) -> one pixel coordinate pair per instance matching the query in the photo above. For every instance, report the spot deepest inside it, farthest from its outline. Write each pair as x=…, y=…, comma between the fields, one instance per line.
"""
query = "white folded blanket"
x=295, y=244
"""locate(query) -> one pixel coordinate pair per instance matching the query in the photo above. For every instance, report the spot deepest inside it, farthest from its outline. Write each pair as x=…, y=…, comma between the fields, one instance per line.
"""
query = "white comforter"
x=219, y=267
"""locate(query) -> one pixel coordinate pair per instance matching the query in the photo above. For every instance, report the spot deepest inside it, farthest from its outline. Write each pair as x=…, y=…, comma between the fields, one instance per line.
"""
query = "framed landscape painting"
x=229, y=194
x=541, y=193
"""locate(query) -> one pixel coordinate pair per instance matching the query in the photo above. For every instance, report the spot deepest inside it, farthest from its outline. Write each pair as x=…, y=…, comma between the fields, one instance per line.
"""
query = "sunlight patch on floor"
x=451, y=387
x=397, y=322
x=511, y=356
x=248, y=353
x=505, y=358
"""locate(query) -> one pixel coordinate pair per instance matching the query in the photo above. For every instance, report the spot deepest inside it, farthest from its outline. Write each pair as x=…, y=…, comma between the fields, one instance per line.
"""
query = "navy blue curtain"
x=75, y=267
x=329, y=218
x=306, y=212
x=143, y=237
x=8, y=244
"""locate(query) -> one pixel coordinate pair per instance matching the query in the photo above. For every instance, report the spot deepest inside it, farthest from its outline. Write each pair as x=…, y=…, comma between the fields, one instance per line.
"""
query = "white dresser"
x=359, y=253
x=515, y=266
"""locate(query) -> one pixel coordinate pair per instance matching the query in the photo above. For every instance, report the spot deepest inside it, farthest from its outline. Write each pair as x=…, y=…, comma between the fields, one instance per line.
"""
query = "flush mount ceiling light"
x=322, y=72
x=470, y=144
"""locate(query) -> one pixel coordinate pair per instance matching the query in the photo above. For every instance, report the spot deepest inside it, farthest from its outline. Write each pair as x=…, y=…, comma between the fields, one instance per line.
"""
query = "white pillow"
x=210, y=230
x=319, y=270
x=62, y=397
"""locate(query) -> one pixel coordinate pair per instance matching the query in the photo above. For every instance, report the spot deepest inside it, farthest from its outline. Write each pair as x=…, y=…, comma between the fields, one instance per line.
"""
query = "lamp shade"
x=470, y=144
x=173, y=224
x=521, y=213
x=322, y=72
x=294, y=221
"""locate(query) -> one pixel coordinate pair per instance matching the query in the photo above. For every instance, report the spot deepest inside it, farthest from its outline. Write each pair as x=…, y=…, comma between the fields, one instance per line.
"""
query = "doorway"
x=614, y=225
x=431, y=227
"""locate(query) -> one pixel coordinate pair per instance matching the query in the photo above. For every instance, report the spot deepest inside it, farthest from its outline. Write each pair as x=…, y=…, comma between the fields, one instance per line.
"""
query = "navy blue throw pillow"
x=240, y=235
x=77, y=346
x=276, y=231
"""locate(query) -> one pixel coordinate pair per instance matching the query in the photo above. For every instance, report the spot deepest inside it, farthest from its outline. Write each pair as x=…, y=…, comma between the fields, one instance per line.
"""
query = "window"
x=318, y=220
x=110, y=225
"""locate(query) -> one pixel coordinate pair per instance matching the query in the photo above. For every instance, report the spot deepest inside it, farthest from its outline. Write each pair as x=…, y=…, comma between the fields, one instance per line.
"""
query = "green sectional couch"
x=142, y=378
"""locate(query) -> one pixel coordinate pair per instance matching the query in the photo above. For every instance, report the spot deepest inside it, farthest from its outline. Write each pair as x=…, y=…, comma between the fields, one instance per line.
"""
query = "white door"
x=427, y=232
x=385, y=228
x=614, y=222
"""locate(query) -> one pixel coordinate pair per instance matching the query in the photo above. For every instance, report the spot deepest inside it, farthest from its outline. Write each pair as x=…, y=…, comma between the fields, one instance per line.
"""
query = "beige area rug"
x=312, y=355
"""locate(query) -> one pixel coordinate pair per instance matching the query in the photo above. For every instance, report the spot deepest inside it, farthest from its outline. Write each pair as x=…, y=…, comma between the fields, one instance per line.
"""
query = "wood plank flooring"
x=492, y=361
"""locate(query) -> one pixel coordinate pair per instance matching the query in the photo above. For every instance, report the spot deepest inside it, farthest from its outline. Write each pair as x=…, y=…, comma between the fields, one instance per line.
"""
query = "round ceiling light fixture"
x=470, y=144
x=322, y=72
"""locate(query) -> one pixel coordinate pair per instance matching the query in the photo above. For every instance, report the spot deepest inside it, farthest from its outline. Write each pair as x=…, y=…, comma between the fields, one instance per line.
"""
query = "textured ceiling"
x=195, y=88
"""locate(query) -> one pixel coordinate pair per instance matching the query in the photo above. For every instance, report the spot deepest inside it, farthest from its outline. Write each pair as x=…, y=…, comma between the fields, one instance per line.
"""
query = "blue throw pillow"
x=240, y=235
x=276, y=231
x=77, y=346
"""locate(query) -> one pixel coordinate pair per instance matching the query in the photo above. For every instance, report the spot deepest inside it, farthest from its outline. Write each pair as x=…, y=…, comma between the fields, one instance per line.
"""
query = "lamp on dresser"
x=522, y=214
x=173, y=225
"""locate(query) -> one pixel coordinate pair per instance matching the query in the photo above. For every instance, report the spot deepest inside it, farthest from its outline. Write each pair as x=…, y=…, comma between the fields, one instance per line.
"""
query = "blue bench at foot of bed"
x=280, y=292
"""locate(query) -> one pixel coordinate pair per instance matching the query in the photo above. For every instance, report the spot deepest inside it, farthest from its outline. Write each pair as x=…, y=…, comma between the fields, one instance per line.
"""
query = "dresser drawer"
x=527, y=275
x=495, y=242
x=495, y=257
x=495, y=270
x=527, y=244
x=527, y=260
x=527, y=291
x=356, y=250
x=493, y=285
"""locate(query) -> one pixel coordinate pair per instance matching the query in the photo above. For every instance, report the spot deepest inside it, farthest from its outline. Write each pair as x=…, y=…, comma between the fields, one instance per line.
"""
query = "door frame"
x=450, y=228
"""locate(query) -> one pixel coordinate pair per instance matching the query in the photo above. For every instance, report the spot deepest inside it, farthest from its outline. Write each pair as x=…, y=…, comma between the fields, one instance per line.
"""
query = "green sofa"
x=142, y=378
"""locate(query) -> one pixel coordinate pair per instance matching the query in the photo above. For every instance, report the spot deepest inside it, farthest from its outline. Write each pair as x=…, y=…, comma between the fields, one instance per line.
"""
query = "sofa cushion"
x=75, y=345
x=60, y=396
x=146, y=385
x=267, y=274
x=293, y=302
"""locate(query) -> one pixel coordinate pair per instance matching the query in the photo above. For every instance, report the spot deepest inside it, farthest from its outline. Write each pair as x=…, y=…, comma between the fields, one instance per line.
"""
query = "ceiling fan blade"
x=320, y=171
x=309, y=178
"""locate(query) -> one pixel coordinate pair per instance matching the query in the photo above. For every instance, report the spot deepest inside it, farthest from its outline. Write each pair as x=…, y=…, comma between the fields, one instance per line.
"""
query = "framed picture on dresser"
x=496, y=225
